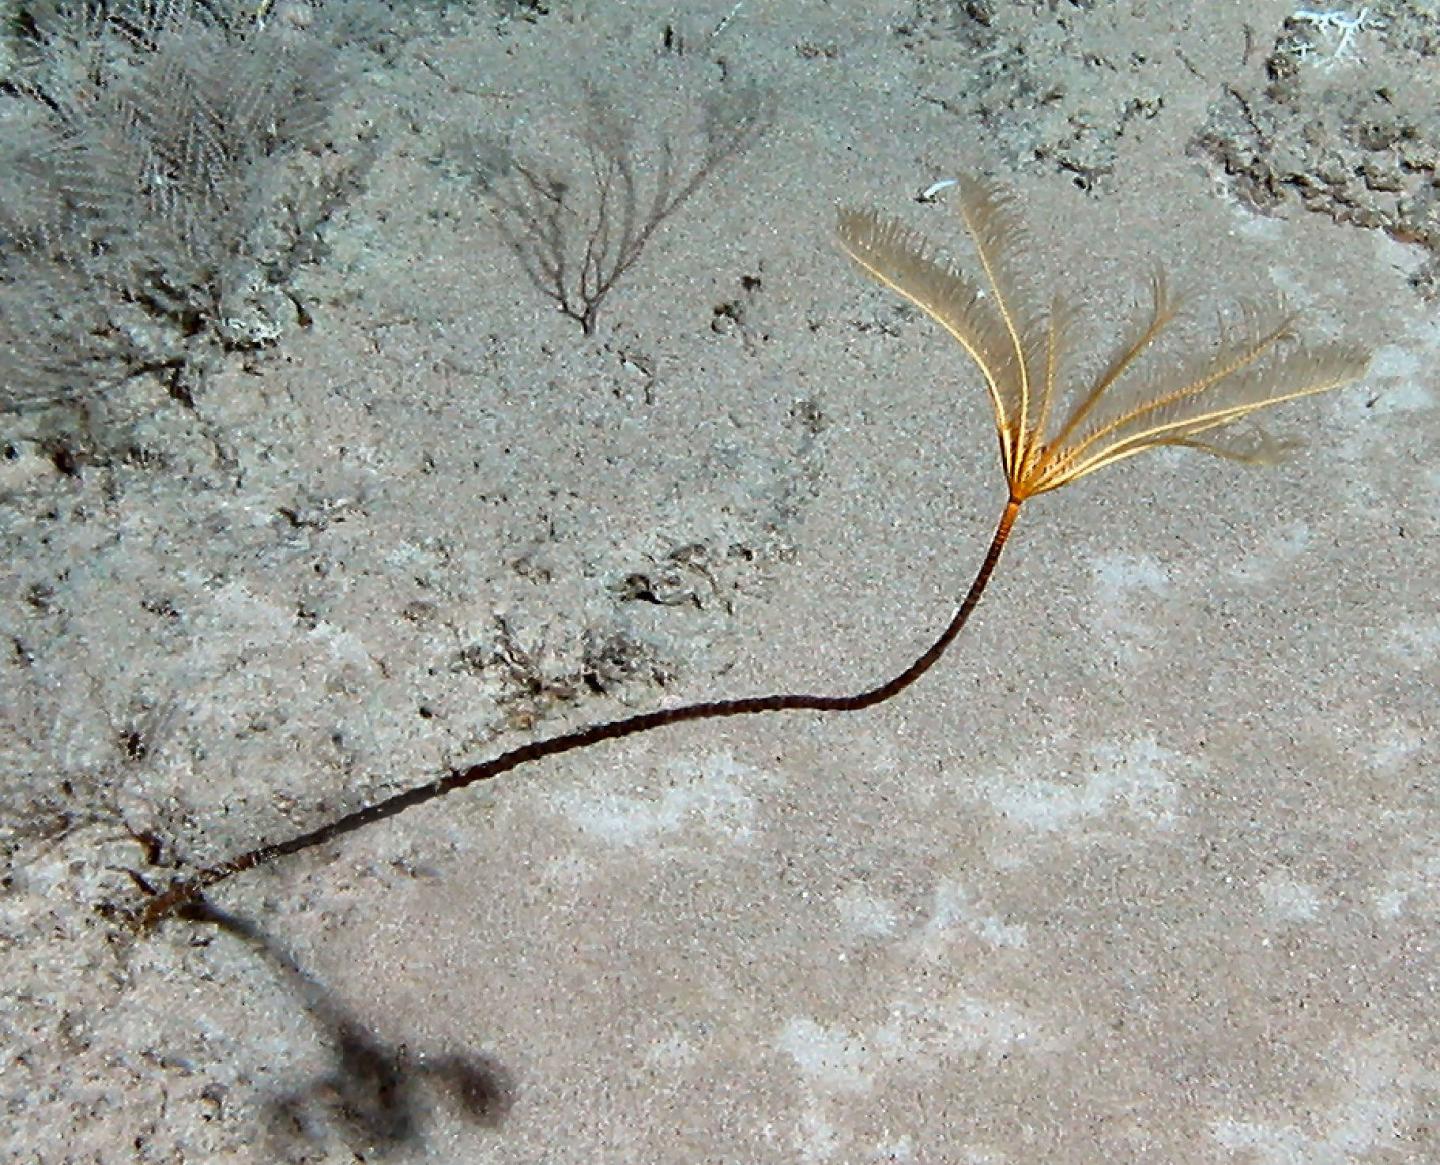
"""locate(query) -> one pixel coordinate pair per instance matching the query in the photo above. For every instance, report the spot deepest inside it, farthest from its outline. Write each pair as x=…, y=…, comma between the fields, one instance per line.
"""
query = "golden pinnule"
x=1021, y=353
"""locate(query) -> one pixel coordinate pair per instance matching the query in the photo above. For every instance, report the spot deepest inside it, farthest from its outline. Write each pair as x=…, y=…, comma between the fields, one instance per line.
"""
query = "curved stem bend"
x=186, y=890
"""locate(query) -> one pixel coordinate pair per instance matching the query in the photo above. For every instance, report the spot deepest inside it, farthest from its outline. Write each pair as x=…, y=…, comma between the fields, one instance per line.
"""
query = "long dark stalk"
x=186, y=890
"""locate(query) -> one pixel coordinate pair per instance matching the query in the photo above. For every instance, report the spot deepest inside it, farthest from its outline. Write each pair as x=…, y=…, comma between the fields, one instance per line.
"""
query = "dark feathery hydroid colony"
x=1125, y=408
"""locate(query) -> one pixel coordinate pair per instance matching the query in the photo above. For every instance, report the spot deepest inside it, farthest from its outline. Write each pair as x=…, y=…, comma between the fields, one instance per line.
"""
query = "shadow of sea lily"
x=374, y=1096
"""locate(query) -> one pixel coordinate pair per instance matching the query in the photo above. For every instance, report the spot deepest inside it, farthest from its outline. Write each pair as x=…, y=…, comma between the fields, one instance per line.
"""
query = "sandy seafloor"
x=1146, y=870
